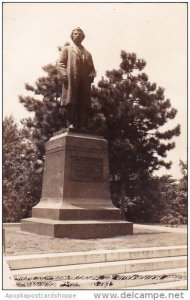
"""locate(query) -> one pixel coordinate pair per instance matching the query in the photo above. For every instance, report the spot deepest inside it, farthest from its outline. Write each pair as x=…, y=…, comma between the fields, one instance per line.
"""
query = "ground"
x=18, y=242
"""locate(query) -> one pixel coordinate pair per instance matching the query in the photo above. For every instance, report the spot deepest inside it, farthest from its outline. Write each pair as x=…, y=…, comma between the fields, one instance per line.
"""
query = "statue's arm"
x=92, y=74
x=62, y=62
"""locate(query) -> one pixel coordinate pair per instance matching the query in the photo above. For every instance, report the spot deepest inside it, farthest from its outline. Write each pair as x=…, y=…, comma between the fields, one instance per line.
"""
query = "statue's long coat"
x=80, y=71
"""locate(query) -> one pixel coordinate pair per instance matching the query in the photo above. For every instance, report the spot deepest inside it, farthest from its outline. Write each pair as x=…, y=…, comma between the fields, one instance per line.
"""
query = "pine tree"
x=45, y=104
x=130, y=112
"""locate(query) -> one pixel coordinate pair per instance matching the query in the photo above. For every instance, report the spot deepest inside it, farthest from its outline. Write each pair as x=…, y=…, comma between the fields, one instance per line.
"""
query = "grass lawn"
x=18, y=242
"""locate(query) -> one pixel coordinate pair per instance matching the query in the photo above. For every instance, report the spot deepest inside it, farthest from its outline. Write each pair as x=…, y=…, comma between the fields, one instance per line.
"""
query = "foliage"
x=176, y=208
x=130, y=111
x=45, y=103
x=21, y=189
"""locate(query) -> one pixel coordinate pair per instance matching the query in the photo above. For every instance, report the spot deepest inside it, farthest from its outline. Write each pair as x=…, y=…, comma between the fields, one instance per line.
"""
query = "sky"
x=156, y=32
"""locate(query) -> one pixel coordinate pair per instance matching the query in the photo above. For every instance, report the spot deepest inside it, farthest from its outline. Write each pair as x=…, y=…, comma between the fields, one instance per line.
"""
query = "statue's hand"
x=91, y=77
x=65, y=81
x=65, y=78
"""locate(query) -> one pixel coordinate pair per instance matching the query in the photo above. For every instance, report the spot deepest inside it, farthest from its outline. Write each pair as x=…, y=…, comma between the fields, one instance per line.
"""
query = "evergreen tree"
x=45, y=104
x=21, y=189
x=130, y=112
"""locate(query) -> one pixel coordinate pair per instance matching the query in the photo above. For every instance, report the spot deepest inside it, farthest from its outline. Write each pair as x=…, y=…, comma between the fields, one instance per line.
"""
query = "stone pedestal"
x=75, y=200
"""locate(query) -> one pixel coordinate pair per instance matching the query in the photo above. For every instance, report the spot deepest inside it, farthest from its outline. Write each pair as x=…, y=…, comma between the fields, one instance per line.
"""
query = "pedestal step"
x=83, y=229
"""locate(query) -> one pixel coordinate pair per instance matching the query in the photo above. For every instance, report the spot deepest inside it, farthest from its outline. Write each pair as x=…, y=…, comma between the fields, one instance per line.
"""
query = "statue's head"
x=79, y=32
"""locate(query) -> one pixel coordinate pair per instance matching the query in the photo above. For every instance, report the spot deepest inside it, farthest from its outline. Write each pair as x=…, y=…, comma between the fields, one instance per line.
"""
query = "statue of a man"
x=77, y=70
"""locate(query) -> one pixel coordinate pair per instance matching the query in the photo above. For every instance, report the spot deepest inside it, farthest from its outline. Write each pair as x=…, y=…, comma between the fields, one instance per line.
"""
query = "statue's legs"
x=82, y=116
x=77, y=115
x=83, y=103
x=71, y=114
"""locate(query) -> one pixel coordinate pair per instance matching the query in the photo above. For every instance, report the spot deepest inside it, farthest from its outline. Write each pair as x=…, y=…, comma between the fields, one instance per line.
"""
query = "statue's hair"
x=79, y=29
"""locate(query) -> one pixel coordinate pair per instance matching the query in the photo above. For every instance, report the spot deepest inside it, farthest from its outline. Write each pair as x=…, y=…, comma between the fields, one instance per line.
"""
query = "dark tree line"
x=21, y=179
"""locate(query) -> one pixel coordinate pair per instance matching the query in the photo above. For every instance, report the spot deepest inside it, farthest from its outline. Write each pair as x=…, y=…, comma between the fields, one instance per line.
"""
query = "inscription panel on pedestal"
x=86, y=169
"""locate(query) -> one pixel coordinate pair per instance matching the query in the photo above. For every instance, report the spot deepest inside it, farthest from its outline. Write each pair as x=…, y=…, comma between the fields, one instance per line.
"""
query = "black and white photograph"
x=94, y=142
